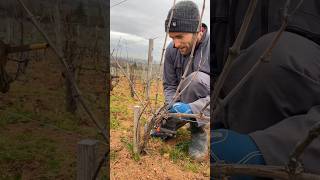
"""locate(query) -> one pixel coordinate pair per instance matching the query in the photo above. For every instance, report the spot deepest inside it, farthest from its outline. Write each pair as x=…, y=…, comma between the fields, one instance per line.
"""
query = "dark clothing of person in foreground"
x=280, y=102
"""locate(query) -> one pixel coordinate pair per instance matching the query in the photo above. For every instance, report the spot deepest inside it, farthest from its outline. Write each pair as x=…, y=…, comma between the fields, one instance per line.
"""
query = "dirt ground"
x=165, y=160
x=38, y=138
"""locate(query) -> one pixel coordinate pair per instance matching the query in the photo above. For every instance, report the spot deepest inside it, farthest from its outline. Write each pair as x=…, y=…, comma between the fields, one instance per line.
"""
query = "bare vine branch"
x=294, y=165
x=277, y=172
x=193, y=116
x=294, y=168
x=152, y=121
x=201, y=63
x=163, y=50
x=233, y=53
x=131, y=83
x=265, y=57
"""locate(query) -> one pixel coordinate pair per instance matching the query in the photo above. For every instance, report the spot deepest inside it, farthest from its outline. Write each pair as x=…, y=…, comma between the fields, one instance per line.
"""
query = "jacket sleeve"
x=170, y=79
x=197, y=106
x=278, y=141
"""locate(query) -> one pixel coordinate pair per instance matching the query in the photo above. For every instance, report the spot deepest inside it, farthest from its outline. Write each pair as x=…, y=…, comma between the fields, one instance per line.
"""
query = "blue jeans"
x=231, y=147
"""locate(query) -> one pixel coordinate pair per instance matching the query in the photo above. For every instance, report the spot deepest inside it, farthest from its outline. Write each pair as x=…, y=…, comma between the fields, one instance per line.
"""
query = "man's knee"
x=198, y=80
x=196, y=85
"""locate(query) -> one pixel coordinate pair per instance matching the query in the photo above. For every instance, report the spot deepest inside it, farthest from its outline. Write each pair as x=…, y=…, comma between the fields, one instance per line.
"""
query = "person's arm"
x=278, y=141
x=193, y=108
x=197, y=106
x=170, y=79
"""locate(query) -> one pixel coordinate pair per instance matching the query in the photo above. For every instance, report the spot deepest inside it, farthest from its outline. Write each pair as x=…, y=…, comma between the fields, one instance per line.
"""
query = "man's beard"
x=188, y=49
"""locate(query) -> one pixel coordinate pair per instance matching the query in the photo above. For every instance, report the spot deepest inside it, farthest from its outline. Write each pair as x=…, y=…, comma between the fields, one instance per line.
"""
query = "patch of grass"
x=113, y=155
x=179, y=152
x=179, y=155
x=63, y=120
x=191, y=166
x=143, y=121
x=103, y=174
x=14, y=116
x=104, y=177
x=24, y=149
x=67, y=121
x=9, y=177
x=41, y=104
x=118, y=110
x=183, y=146
x=157, y=140
x=114, y=124
x=183, y=132
x=129, y=147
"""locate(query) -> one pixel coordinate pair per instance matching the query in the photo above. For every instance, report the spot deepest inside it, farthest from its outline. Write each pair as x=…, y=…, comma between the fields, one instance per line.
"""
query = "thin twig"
x=129, y=80
x=131, y=83
x=277, y=172
x=152, y=121
x=265, y=57
x=294, y=166
x=201, y=63
x=93, y=69
x=118, y=44
x=118, y=3
x=163, y=50
x=233, y=53
x=193, y=116
x=101, y=162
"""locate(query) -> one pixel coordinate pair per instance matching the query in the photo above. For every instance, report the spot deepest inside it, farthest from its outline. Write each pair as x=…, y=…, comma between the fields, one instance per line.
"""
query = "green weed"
x=24, y=148
x=129, y=147
x=14, y=116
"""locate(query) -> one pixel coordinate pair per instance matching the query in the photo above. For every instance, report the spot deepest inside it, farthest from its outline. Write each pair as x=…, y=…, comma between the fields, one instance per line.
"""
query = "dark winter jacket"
x=280, y=102
x=227, y=17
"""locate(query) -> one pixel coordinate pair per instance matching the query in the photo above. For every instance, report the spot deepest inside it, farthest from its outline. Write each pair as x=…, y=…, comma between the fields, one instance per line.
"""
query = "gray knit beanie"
x=185, y=17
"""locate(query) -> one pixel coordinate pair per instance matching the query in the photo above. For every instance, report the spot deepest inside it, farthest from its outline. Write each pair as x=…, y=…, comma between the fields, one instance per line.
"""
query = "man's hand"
x=180, y=107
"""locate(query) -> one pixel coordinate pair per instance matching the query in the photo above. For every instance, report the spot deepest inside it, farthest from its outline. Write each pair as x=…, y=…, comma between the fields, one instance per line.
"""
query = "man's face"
x=182, y=41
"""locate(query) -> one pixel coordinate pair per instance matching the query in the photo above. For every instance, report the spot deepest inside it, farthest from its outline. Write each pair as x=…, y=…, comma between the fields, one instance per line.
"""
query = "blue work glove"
x=232, y=147
x=180, y=107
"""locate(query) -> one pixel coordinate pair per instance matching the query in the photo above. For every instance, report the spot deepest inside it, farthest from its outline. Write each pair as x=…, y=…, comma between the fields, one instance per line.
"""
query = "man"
x=183, y=27
x=280, y=102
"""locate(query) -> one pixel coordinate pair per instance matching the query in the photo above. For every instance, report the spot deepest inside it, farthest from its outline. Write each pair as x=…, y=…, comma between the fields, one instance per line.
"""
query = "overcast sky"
x=135, y=21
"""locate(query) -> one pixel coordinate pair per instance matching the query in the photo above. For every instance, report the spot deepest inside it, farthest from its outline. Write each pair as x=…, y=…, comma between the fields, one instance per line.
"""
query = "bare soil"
x=38, y=138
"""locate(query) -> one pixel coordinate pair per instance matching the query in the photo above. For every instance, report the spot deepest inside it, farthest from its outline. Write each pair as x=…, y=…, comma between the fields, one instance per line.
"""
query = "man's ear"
x=199, y=36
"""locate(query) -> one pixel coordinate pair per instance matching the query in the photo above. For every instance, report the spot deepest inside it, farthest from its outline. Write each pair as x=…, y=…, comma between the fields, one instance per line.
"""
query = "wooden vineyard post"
x=87, y=159
x=148, y=80
x=136, y=129
x=4, y=77
x=132, y=74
